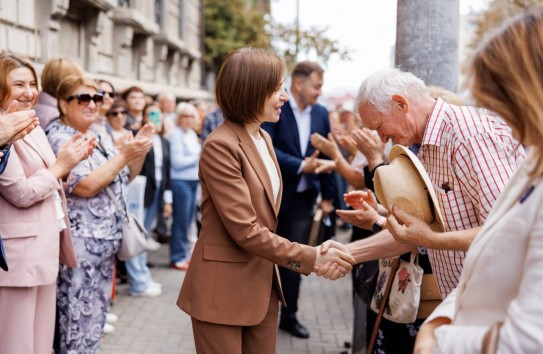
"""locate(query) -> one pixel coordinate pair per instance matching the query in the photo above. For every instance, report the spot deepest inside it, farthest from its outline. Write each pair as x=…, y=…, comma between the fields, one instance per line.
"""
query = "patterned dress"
x=84, y=292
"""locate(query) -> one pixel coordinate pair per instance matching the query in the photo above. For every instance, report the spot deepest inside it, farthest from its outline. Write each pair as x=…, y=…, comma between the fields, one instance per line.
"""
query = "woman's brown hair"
x=8, y=62
x=247, y=78
x=506, y=76
x=54, y=71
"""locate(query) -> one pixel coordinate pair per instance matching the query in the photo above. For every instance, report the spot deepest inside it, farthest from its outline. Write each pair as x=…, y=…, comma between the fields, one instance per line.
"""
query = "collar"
x=433, y=131
x=294, y=105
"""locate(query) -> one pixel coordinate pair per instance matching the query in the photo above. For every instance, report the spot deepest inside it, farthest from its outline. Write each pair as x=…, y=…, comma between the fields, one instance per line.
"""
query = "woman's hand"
x=15, y=125
x=328, y=146
x=370, y=145
x=131, y=148
x=70, y=154
x=426, y=339
x=356, y=199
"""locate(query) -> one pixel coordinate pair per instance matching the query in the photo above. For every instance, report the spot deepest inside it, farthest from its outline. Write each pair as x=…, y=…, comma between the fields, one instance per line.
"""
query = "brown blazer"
x=28, y=221
x=235, y=259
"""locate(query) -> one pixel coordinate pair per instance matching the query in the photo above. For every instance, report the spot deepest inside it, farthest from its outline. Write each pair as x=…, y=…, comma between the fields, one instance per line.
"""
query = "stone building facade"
x=155, y=44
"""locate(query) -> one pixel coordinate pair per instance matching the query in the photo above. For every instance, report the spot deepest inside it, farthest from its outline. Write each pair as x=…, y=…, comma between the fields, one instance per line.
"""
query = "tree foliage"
x=312, y=43
x=232, y=24
x=498, y=11
x=229, y=25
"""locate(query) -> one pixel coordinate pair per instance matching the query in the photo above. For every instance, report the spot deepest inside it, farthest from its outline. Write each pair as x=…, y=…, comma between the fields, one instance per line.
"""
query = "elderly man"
x=469, y=155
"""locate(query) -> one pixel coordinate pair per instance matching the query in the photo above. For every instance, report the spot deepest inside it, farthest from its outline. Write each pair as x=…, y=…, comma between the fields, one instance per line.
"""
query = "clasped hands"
x=333, y=260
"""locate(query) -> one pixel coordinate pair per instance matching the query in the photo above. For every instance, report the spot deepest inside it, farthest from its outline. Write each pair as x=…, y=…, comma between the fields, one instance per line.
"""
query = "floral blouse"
x=97, y=216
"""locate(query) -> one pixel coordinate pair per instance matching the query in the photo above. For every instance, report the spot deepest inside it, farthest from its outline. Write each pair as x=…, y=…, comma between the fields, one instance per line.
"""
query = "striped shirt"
x=470, y=155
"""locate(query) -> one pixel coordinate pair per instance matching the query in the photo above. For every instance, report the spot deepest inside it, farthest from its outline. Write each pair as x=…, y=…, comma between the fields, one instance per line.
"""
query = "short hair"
x=102, y=81
x=505, y=76
x=186, y=107
x=9, y=62
x=69, y=85
x=247, y=78
x=118, y=103
x=378, y=89
x=128, y=91
x=304, y=69
x=165, y=94
x=54, y=71
x=446, y=95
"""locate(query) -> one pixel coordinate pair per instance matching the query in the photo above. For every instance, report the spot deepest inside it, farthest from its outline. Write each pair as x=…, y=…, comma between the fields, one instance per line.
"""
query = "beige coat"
x=235, y=259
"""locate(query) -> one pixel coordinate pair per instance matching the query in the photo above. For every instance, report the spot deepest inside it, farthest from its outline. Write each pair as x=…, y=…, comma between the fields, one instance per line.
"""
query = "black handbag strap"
x=383, y=304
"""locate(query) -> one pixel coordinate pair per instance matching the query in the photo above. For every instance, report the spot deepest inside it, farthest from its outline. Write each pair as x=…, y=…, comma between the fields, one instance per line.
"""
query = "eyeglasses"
x=116, y=113
x=111, y=94
x=85, y=98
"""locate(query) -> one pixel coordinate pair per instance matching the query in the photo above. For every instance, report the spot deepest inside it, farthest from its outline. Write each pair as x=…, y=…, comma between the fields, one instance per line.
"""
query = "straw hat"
x=405, y=183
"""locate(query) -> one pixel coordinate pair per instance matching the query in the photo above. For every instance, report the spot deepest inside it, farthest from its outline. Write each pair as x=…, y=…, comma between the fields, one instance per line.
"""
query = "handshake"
x=333, y=260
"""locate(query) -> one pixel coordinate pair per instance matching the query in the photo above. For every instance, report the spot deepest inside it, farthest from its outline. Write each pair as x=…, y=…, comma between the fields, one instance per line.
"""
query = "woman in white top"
x=185, y=154
x=497, y=307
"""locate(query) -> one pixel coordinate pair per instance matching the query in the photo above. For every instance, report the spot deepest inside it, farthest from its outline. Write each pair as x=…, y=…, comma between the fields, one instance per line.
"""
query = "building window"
x=159, y=13
x=123, y=3
x=181, y=19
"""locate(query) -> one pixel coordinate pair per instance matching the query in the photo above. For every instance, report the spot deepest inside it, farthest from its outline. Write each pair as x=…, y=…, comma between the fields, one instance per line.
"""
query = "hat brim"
x=398, y=150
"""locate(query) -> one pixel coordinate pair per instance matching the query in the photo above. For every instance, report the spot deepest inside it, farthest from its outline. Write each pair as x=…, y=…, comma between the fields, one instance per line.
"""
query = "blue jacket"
x=286, y=143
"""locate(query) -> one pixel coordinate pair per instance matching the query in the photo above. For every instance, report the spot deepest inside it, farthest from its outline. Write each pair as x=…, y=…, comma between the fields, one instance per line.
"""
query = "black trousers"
x=294, y=224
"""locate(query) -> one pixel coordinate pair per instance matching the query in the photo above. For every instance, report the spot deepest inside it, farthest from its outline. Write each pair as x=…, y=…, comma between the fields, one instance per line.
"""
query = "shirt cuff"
x=168, y=197
x=301, y=167
x=447, y=339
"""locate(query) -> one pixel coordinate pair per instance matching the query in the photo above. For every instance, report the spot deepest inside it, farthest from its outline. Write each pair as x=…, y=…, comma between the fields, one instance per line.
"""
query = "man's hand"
x=325, y=166
x=408, y=229
x=167, y=211
x=310, y=163
x=333, y=261
x=363, y=218
x=426, y=339
x=327, y=206
x=328, y=146
x=15, y=125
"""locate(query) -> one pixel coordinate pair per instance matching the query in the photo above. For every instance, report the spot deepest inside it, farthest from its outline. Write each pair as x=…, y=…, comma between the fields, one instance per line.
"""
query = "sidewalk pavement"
x=157, y=325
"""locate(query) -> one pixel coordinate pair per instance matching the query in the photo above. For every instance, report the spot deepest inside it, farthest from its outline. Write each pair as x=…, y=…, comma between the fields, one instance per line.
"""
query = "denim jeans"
x=184, y=207
x=139, y=275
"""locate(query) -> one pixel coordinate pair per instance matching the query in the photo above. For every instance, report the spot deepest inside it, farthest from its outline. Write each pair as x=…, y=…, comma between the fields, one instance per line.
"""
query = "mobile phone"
x=154, y=118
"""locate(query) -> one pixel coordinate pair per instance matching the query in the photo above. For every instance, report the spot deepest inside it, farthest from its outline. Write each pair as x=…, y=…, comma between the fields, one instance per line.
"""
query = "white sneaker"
x=111, y=318
x=154, y=284
x=108, y=328
x=149, y=292
x=152, y=245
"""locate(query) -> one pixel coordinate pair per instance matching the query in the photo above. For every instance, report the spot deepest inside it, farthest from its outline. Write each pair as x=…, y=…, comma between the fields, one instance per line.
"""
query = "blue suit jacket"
x=4, y=161
x=286, y=143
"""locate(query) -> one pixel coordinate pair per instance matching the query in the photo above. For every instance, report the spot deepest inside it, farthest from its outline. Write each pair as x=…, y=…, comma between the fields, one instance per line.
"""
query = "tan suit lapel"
x=254, y=158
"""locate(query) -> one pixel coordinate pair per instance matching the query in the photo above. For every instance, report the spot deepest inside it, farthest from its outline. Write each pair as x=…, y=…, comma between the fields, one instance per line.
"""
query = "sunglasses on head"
x=85, y=98
x=111, y=94
x=116, y=113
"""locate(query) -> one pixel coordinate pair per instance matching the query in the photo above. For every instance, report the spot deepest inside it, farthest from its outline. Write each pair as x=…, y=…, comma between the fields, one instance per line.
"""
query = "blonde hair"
x=54, y=71
x=445, y=95
x=505, y=75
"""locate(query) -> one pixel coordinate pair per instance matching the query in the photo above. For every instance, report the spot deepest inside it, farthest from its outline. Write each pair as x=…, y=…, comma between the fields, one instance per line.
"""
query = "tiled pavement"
x=157, y=325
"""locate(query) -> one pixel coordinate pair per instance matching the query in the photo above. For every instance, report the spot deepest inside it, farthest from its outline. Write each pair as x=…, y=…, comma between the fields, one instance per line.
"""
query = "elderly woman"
x=185, y=154
x=33, y=221
x=496, y=307
x=84, y=292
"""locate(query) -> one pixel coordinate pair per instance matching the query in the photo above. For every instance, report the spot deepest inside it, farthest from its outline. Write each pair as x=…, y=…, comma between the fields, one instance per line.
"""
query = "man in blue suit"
x=301, y=116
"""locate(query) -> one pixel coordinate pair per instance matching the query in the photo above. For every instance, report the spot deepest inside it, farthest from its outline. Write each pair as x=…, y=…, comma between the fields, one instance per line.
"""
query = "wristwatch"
x=378, y=225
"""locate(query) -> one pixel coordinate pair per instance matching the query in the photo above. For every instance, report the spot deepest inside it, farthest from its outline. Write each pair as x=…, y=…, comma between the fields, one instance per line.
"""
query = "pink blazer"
x=28, y=220
x=234, y=262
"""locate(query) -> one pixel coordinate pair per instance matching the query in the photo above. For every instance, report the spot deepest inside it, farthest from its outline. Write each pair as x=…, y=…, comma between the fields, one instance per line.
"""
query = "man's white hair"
x=378, y=89
x=165, y=94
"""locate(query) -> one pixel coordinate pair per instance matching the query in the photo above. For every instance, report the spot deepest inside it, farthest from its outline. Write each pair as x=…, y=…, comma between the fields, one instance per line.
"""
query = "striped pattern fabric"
x=470, y=155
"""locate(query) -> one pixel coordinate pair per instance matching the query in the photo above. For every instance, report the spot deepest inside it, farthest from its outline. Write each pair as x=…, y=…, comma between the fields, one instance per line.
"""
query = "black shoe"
x=294, y=327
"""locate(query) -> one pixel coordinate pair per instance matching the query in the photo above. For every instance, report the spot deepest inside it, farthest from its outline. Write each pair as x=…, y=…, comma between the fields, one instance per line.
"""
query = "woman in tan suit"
x=232, y=289
x=33, y=221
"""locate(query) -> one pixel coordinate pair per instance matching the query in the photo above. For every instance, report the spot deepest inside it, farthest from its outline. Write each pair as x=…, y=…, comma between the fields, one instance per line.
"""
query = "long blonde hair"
x=506, y=76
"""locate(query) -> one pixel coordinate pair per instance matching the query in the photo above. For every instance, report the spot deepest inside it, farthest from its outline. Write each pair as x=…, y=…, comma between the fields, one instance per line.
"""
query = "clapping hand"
x=358, y=199
x=369, y=144
x=77, y=149
x=333, y=261
x=14, y=124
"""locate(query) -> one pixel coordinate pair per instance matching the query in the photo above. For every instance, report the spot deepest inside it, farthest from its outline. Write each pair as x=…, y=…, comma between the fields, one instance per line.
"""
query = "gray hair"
x=378, y=89
x=165, y=94
x=185, y=107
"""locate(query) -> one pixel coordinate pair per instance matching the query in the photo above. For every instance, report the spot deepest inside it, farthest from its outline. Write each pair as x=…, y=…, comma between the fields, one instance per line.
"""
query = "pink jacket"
x=28, y=220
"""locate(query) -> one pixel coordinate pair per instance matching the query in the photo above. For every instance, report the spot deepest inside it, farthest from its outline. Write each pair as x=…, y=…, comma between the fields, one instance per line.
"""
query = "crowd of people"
x=258, y=168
